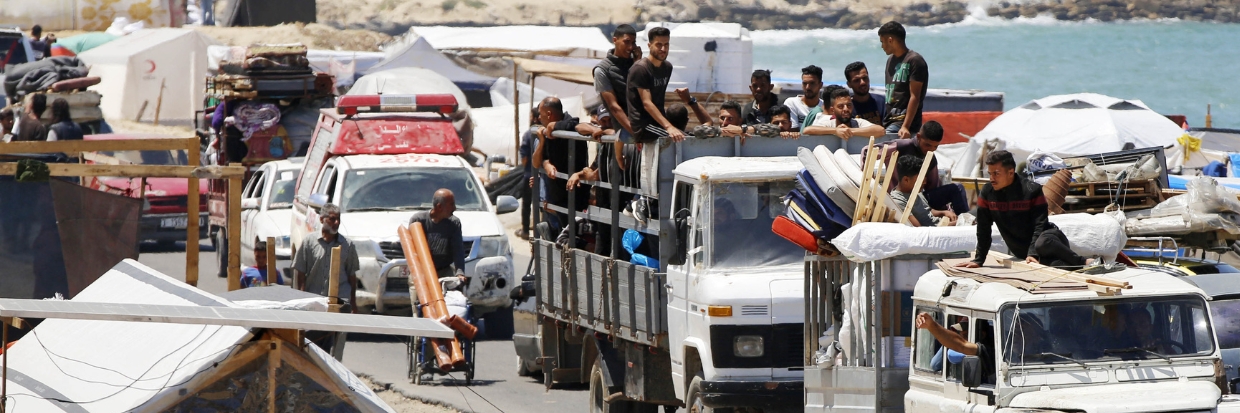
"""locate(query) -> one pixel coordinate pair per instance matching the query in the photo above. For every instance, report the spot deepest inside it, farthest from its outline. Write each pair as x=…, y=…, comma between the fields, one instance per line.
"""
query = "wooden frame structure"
x=192, y=173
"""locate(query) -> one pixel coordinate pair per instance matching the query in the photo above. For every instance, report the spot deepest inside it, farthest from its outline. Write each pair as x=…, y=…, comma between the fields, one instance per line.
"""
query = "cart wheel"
x=469, y=374
x=412, y=357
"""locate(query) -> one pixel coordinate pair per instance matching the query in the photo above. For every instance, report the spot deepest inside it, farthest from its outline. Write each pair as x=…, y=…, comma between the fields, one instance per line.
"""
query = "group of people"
x=20, y=124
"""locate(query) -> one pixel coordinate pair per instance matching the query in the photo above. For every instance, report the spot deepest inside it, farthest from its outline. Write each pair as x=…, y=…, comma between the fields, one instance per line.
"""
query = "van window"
x=927, y=349
x=984, y=336
x=327, y=185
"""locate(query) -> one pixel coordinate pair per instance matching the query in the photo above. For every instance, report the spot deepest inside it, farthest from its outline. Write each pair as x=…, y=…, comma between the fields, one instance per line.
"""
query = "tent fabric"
x=133, y=68
x=135, y=366
x=569, y=73
x=1080, y=124
x=85, y=41
x=561, y=41
x=493, y=128
x=414, y=51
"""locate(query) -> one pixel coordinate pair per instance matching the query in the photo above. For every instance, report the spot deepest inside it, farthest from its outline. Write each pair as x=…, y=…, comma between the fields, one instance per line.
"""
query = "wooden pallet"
x=1095, y=197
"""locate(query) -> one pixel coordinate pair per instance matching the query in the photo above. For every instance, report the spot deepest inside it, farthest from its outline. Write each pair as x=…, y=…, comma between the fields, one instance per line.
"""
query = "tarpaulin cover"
x=45, y=236
x=560, y=41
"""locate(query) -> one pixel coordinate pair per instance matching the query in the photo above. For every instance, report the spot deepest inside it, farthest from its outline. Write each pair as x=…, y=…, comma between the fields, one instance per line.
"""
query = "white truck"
x=380, y=159
x=1148, y=348
x=717, y=325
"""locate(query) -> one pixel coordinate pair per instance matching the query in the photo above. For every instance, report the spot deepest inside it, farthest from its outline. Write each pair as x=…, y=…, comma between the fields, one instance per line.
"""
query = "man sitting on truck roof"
x=1016, y=205
x=443, y=238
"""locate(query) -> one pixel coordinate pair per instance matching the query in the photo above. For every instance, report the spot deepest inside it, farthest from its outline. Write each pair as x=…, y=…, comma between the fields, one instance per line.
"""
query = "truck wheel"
x=221, y=252
x=598, y=392
x=523, y=370
x=499, y=324
x=693, y=398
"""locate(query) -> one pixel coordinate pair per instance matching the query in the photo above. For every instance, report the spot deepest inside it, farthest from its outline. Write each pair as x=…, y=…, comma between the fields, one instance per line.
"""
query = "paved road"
x=384, y=357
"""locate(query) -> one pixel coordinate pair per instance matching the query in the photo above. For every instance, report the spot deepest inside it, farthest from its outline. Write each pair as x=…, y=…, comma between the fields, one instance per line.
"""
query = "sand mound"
x=313, y=35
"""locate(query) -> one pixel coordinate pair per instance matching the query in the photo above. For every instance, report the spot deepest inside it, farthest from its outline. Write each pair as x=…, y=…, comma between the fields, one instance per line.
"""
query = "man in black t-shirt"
x=907, y=78
x=552, y=155
x=760, y=86
x=647, y=88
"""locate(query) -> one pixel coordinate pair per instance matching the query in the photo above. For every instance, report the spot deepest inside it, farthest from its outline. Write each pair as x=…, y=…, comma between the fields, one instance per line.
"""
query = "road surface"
x=496, y=386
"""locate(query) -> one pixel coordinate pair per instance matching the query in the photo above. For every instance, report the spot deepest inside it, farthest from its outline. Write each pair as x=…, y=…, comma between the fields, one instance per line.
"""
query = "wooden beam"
x=273, y=365
x=16, y=322
x=866, y=174
x=300, y=361
x=194, y=204
x=333, y=282
x=133, y=171
x=234, y=233
x=70, y=147
x=272, y=271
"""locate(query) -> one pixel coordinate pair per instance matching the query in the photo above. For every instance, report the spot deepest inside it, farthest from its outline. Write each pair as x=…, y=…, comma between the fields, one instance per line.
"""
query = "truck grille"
x=789, y=346
x=393, y=251
x=397, y=284
x=755, y=310
x=782, y=341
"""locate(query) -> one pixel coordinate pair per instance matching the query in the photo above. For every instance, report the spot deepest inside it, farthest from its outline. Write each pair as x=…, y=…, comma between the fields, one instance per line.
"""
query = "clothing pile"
x=255, y=119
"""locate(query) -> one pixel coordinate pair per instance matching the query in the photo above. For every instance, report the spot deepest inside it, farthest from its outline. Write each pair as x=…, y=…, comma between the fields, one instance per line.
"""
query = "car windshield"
x=1129, y=329
x=742, y=213
x=282, y=193
x=408, y=189
x=1227, y=321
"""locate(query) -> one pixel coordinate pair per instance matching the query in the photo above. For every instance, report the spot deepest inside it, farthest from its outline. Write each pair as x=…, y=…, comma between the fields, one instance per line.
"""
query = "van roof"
x=990, y=296
x=405, y=160
x=717, y=168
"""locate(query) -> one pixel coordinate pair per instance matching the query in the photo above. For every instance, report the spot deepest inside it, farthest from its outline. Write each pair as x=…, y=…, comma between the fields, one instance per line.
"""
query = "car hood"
x=1125, y=397
x=280, y=220
x=382, y=225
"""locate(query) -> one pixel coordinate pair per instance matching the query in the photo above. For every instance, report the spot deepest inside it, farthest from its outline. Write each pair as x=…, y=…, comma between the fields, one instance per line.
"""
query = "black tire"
x=598, y=391
x=220, y=240
x=499, y=324
x=693, y=397
x=523, y=369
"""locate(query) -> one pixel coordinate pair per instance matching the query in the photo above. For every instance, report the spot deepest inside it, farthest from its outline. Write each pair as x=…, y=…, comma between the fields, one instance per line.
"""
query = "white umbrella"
x=1080, y=124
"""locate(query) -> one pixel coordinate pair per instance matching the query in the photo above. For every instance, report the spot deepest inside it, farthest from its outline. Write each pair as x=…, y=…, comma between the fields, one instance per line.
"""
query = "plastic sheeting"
x=1207, y=206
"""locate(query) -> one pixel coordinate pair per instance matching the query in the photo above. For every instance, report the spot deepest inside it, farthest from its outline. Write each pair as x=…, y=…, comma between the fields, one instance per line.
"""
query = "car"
x=266, y=210
x=1224, y=292
x=164, y=210
x=379, y=193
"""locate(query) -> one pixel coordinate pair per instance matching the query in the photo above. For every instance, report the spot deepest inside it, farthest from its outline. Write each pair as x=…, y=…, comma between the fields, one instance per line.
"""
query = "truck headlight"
x=748, y=346
x=283, y=242
x=493, y=246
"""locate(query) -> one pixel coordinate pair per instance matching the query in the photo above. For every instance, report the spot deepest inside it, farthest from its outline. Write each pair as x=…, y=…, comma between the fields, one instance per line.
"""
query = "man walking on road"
x=443, y=238
x=907, y=78
x=312, y=269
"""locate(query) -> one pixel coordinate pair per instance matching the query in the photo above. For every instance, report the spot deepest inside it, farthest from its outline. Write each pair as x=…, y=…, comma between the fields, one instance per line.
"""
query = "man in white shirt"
x=841, y=123
x=811, y=84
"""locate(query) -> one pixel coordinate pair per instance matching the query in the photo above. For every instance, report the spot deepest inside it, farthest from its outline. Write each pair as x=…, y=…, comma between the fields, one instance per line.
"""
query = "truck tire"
x=598, y=392
x=220, y=240
x=523, y=368
x=693, y=397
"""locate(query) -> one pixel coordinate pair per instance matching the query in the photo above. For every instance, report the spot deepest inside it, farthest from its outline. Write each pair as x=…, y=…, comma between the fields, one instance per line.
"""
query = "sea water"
x=1175, y=67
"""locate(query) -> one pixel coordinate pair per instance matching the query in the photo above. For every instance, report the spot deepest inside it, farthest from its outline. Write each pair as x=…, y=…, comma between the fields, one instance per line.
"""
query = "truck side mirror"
x=681, y=252
x=971, y=372
x=251, y=203
x=317, y=201
x=506, y=203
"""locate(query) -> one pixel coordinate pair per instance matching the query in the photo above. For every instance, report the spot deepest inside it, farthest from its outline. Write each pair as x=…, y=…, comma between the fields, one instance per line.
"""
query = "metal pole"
x=516, y=114
x=4, y=381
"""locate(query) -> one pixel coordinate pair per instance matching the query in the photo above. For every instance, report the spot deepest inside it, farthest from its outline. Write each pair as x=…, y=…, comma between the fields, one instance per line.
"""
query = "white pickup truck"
x=378, y=193
x=1148, y=348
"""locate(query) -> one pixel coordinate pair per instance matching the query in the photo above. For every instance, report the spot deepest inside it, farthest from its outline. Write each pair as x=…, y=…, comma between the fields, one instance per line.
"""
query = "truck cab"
x=734, y=306
x=381, y=158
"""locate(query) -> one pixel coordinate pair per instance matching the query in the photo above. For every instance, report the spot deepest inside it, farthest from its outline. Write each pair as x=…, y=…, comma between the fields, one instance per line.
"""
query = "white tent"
x=1076, y=124
x=560, y=41
x=700, y=66
x=414, y=51
x=493, y=134
x=134, y=67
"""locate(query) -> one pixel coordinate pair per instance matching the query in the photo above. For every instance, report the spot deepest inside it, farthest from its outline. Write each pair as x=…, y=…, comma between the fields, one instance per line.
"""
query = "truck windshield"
x=1128, y=329
x=282, y=193
x=742, y=213
x=407, y=189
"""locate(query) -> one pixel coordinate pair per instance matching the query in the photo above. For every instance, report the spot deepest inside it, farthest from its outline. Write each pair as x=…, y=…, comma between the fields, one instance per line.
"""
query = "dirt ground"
x=403, y=404
x=129, y=126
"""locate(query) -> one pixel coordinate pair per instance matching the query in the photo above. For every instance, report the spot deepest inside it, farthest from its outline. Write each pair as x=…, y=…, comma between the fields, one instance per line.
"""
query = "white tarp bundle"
x=1089, y=235
x=121, y=366
x=1076, y=124
x=560, y=41
x=133, y=68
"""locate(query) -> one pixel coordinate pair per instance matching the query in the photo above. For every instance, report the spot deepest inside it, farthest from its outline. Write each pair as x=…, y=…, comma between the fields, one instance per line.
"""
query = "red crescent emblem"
x=150, y=66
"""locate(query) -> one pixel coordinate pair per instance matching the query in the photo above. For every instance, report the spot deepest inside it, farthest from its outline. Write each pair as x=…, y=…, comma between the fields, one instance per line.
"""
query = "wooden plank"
x=234, y=233
x=161, y=144
x=272, y=272
x=194, y=205
x=883, y=187
x=866, y=175
x=273, y=365
x=333, y=281
x=132, y=171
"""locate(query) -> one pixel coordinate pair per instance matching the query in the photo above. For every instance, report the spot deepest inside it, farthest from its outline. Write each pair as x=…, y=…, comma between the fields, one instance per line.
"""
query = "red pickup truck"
x=165, y=208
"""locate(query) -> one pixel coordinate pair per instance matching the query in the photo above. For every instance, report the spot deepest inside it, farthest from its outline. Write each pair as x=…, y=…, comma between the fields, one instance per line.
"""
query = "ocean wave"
x=786, y=37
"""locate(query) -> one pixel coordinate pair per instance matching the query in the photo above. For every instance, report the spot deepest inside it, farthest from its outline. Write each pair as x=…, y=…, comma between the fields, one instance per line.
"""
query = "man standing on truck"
x=800, y=105
x=841, y=123
x=866, y=105
x=30, y=128
x=443, y=238
x=552, y=155
x=63, y=128
x=907, y=78
x=529, y=141
x=1016, y=205
x=759, y=112
x=647, y=89
x=611, y=77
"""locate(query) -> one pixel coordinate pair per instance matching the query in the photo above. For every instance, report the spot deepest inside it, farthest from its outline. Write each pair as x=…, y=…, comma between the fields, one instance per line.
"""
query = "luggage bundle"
x=267, y=70
x=826, y=198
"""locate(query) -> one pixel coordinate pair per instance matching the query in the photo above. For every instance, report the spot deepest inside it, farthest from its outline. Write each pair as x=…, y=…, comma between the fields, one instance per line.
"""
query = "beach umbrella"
x=1079, y=124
